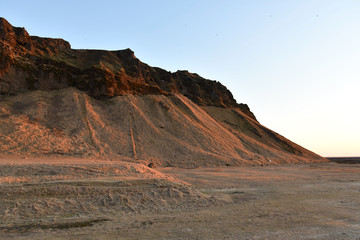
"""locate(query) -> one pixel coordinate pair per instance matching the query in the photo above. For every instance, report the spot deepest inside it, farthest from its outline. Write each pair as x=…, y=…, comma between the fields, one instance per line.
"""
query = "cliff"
x=35, y=63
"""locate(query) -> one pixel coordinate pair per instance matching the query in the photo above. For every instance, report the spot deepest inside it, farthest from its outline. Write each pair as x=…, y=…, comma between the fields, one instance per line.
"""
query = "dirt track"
x=319, y=201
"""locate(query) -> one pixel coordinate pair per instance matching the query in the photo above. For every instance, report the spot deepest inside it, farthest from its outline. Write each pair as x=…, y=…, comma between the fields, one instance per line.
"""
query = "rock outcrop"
x=35, y=63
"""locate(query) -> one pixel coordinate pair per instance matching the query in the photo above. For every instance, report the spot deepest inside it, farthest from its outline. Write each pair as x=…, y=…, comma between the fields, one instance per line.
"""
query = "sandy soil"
x=121, y=200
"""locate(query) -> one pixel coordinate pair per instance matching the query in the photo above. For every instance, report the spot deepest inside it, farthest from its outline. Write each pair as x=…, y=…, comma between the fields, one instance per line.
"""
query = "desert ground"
x=67, y=198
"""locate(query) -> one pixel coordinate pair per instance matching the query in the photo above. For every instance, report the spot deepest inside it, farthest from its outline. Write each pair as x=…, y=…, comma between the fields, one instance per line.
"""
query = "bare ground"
x=97, y=199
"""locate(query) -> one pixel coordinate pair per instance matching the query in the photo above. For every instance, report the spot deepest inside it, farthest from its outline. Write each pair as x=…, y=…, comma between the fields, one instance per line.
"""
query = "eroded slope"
x=166, y=130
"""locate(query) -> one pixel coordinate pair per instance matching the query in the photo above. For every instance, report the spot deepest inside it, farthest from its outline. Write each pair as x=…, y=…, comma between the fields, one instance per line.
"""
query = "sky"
x=295, y=63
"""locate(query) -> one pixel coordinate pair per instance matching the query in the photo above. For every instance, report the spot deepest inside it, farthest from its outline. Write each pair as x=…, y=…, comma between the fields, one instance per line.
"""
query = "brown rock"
x=48, y=64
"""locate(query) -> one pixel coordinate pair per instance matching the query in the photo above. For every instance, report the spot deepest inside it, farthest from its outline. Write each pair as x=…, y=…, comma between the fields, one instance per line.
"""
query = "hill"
x=60, y=101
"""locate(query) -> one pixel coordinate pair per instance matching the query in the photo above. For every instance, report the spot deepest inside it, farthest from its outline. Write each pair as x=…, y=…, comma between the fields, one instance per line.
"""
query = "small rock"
x=151, y=165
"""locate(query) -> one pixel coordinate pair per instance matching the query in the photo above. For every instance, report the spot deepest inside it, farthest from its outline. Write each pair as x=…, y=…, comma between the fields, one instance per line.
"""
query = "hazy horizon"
x=294, y=63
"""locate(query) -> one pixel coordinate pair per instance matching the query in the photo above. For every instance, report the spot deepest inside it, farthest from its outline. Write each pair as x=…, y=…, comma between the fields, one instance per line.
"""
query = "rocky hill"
x=58, y=100
x=34, y=63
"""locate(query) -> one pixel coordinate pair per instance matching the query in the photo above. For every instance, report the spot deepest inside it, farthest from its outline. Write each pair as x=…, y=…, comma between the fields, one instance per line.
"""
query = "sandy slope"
x=166, y=130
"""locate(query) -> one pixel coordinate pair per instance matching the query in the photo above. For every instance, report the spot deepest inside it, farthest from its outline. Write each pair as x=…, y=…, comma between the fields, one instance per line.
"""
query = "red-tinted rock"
x=34, y=63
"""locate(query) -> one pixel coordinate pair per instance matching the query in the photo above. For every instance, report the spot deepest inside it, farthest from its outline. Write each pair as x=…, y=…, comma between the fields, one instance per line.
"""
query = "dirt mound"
x=86, y=192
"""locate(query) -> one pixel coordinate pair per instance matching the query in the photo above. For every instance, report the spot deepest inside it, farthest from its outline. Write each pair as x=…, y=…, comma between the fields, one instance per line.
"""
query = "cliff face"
x=34, y=63
x=57, y=100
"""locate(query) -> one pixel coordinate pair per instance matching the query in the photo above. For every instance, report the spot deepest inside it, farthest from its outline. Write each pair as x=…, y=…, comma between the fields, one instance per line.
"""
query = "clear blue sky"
x=295, y=63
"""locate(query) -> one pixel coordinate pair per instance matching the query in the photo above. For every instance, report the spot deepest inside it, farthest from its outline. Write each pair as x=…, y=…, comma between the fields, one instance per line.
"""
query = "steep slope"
x=56, y=100
x=165, y=130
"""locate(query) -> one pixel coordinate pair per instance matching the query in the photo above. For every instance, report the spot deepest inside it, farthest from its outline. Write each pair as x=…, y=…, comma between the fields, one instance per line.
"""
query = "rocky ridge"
x=35, y=63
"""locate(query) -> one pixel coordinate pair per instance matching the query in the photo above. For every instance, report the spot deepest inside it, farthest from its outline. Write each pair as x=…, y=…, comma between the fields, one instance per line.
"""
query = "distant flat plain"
x=298, y=201
x=349, y=160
